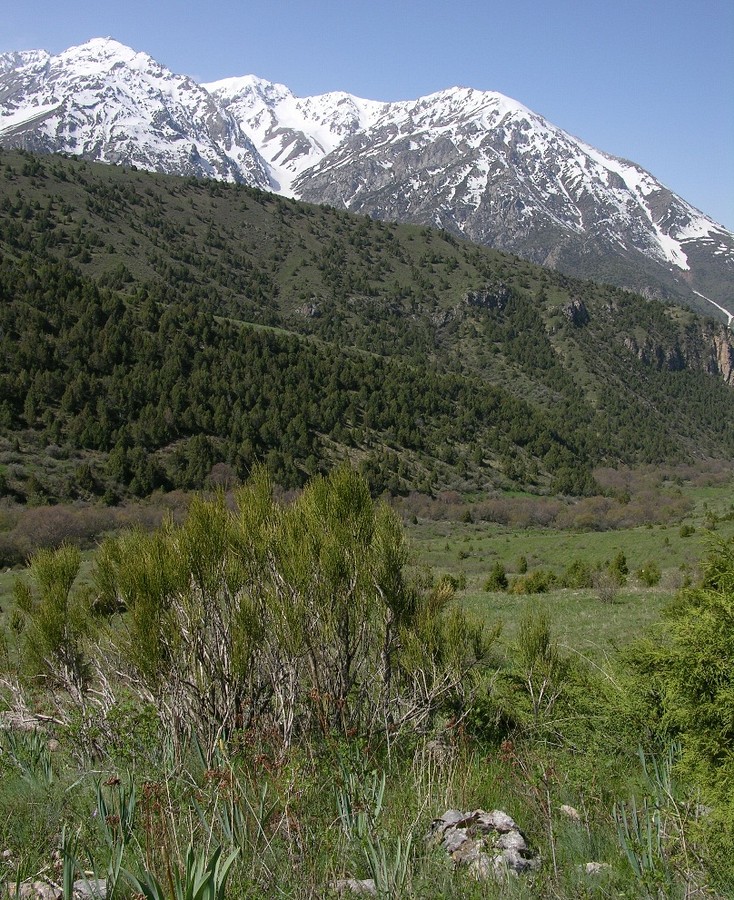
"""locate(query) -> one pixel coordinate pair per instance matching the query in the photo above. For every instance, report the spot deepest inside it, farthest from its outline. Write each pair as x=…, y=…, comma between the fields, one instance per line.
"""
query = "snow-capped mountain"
x=293, y=133
x=475, y=163
x=484, y=166
x=105, y=102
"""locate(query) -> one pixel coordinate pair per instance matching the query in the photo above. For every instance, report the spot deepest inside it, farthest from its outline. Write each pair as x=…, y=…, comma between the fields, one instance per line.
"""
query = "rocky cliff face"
x=708, y=347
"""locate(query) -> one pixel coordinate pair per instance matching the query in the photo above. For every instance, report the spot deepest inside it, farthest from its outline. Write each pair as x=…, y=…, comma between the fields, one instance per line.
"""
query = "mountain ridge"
x=476, y=163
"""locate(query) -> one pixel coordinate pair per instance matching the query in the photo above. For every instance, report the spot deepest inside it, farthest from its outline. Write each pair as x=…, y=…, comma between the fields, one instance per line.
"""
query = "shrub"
x=606, y=585
x=542, y=669
x=58, y=619
x=618, y=569
x=688, y=682
x=578, y=575
x=649, y=574
x=297, y=618
x=11, y=551
x=538, y=582
x=457, y=582
x=497, y=579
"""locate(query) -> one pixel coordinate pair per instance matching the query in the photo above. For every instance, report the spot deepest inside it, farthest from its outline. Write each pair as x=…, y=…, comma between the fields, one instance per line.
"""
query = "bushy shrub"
x=297, y=616
x=578, y=574
x=687, y=682
x=57, y=617
x=11, y=551
x=457, y=582
x=497, y=578
x=618, y=568
x=649, y=574
x=606, y=585
x=538, y=582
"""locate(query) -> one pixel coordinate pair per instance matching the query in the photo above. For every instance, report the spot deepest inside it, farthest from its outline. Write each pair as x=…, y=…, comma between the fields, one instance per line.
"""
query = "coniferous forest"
x=159, y=326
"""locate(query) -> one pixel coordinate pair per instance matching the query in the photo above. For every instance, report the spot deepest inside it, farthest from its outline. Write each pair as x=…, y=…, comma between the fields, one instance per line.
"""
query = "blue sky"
x=649, y=80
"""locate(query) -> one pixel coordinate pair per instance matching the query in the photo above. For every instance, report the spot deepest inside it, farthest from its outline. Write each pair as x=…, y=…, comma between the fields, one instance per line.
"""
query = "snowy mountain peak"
x=101, y=48
x=476, y=163
x=242, y=86
x=105, y=101
x=292, y=133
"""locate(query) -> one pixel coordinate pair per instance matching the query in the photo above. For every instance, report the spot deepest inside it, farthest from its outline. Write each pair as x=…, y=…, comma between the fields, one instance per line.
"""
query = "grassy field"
x=297, y=835
x=582, y=623
x=467, y=551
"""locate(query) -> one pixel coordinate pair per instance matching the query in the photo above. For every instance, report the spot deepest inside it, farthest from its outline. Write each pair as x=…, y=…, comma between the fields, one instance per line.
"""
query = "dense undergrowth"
x=267, y=697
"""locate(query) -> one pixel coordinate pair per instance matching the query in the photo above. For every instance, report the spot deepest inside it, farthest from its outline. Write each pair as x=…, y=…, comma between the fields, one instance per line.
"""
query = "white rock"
x=570, y=812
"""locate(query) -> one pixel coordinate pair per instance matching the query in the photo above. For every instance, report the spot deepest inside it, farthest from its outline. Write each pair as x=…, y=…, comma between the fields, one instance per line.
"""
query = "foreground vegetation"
x=270, y=696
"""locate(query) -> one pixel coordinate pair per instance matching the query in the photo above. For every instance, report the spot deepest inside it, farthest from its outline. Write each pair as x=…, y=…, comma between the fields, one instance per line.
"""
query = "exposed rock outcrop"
x=577, y=313
x=489, y=844
x=495, y=297
x=708, y=348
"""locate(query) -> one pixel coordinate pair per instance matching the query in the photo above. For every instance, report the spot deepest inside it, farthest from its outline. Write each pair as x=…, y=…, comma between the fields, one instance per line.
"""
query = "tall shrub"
x=687, y=678
x=56, y=619
x=299, y=617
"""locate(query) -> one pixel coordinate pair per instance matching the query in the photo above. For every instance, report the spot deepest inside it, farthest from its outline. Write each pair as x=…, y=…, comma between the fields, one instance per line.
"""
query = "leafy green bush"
x=649, y=574
x=300, y=616
x=497, y=579
x=538, y=582
x=687, y=681
x=618, y=568
x=578, y=574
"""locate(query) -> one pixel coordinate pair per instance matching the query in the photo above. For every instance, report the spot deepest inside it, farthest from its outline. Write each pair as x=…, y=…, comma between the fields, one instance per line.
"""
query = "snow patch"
x=12, y=121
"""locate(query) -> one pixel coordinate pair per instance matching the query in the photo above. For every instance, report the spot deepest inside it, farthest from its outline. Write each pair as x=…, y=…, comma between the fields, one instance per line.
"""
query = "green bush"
x=299, y=617
x=538, y=582
x=57, y=617
x=497, y=579
x=649, y=574
x=578, y=574
x=687, y=682
x=618, y=568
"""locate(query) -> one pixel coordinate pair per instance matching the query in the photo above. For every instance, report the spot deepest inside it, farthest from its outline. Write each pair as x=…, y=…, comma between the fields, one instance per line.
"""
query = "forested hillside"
x=154, y=327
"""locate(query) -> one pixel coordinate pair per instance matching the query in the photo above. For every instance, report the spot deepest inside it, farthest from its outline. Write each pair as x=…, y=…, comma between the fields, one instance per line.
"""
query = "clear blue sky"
x=650, y=80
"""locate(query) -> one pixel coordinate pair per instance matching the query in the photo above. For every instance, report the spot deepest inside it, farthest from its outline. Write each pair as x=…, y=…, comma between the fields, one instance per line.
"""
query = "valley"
x=314, y=527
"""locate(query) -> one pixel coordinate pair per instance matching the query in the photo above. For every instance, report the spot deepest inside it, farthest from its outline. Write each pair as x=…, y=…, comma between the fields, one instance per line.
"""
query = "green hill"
x=152, y=327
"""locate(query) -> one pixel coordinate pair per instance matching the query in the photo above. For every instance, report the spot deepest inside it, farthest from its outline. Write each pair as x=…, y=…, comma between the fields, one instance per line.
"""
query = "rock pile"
x=45, y=889
x=489, y=844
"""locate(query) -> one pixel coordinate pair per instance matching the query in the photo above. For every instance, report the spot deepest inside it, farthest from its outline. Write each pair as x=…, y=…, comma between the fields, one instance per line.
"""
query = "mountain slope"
x=477, y=164
x=483, y=166
x=161, y=325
